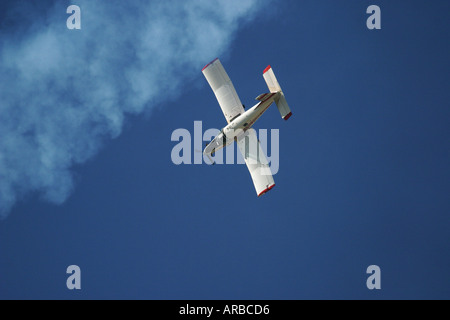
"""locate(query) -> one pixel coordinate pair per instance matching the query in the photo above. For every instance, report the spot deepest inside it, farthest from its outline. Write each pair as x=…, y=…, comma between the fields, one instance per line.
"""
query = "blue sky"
x=363, y=179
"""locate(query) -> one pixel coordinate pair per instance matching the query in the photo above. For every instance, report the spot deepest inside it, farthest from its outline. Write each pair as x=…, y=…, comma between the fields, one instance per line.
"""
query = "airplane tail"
x=274, y=86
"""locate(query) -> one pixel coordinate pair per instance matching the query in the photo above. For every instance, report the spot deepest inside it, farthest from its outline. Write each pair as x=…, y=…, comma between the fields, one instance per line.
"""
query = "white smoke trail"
x=63, y=91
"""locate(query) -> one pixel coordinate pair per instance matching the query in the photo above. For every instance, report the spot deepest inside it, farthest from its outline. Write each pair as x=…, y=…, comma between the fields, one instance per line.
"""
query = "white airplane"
x=240, y=121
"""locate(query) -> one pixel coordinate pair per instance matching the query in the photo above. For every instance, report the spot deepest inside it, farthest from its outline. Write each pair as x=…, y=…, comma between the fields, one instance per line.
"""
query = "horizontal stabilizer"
x=274, y=86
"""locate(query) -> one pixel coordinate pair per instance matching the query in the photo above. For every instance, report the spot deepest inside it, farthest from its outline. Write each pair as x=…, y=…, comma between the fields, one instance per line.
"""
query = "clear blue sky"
x=364, y=173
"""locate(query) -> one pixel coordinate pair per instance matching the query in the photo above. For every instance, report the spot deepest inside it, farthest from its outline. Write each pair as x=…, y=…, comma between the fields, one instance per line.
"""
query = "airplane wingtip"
x=210, y=63
x=288, y=116
x=266, y=190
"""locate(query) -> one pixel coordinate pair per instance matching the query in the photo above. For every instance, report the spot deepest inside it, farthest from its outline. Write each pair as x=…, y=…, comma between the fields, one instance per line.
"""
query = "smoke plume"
x=63, y=92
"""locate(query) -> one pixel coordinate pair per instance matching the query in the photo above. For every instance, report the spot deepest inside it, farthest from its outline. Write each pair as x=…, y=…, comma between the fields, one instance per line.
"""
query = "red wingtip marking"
x=288, y=116
x=267, y=69
x=269, y=188
x=209, y=64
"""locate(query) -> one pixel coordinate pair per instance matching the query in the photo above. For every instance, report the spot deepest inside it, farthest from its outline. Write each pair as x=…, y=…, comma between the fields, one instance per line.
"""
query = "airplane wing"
x=224, y=90
x=256, y=162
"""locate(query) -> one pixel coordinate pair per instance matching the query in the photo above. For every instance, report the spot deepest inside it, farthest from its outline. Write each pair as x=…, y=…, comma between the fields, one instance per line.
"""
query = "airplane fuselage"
x=239, y=125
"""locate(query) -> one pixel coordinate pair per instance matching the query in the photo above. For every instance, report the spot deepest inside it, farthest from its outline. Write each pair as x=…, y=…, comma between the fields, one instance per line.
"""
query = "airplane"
x=240, y=121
